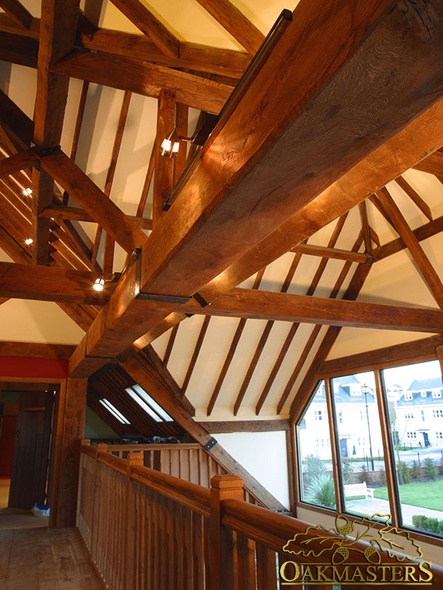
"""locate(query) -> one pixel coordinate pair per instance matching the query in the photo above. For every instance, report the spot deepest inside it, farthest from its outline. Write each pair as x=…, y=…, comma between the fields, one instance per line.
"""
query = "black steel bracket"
x=211, y=443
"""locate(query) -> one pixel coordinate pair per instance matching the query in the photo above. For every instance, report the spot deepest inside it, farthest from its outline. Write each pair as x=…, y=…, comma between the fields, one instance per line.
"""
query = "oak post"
x=223, y=487
x=68, y=433
x=135, y=459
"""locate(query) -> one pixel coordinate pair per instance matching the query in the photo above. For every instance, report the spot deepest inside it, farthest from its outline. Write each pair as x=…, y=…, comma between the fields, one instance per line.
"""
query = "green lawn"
x=423, y=494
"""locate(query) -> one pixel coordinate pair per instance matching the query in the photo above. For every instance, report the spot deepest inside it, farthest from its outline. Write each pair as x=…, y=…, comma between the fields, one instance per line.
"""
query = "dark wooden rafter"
x=333, y=253
x=307, y=350
x=145, y=78
x=193, y=57
x=415, y=197
x=421, y=233
x=92, y=199
x=17, y=12
x=20, y=46
x=424, y=266
x=109, y=243
x=307, y=385
x=294, y=328
x=166, y=274
x=56, y=39
x=195, y=354
x=362, y=207
x=231, y=352
x=148, y=24
x=234, y=21
x=263, y=339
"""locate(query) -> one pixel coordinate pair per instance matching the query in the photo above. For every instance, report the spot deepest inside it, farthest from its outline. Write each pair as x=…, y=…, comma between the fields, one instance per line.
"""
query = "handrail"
x=147, y=530
x=188, y=494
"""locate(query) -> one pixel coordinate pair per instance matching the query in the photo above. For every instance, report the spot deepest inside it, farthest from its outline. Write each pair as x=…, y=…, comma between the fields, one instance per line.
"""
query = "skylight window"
x=149, y=405
x=113, y=410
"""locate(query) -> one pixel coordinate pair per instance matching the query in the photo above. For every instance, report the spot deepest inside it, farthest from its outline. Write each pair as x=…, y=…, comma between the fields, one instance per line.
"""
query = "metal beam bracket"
x=165, y=298
x=41, y=152
x=177, y=299
x=211, y=443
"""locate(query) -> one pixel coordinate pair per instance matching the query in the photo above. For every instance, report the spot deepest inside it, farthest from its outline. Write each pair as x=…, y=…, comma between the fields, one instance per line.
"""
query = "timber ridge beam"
x=235, y=206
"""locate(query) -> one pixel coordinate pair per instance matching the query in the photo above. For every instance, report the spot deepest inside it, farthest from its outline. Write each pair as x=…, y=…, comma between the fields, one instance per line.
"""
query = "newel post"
x=223, y=559
x=135, y=459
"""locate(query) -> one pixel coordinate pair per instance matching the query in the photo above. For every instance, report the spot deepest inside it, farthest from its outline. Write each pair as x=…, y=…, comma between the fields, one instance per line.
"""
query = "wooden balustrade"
x=188, y=461
x=147, y=530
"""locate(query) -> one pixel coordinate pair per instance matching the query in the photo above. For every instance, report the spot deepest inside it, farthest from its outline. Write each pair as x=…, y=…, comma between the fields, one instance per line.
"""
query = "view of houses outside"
x=414, y=402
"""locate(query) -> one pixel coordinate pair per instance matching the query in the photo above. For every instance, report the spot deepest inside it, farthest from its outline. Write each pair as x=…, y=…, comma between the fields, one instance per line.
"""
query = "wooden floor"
x=45, y=559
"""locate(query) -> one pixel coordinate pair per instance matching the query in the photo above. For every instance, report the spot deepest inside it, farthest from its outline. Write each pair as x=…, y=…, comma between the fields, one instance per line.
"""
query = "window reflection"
x=416, y=426
x=317, y=484
x=360, y=444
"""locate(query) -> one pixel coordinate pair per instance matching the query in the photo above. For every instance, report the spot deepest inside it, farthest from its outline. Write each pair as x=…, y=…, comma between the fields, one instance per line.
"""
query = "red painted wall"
x=26, y=367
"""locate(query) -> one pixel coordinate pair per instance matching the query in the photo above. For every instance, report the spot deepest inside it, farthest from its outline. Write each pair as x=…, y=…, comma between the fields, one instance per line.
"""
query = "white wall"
x=264, y=455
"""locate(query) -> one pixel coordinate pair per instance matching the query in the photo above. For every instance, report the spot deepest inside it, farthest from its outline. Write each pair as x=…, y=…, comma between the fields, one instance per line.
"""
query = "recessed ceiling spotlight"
x=29, y=241
x=99, y=284
x=27, y=192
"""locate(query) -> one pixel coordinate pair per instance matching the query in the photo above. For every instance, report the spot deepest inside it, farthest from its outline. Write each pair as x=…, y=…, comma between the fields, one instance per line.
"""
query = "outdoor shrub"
x=441, y=466
x=321, y=491
x=314, y=468
x=364, y=477
x=429, y=468
x=426, y=523
x=415, y=470
x=382, y=477
x=404, y=472
x=346, y=468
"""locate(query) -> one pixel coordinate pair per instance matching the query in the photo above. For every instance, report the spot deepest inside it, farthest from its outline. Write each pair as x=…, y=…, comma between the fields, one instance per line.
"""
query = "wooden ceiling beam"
x=235, y=22
x=149, y=25
x=284, y=307
x=145, y=78
x=14, y=121
x=423, y=264
x=17, y=12
x=35, y=350
x=83, y=190
x=45, y=283
x=421, y=137
x=193, y=56
x=196, y=57
x=245, y=186
x=56, y=39
x=333, y=253
x=17, y=162
x=64, y=212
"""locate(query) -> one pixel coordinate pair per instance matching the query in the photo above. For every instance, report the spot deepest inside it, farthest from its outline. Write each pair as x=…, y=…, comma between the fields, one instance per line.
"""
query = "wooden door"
x=8, y=426
x=31, y=450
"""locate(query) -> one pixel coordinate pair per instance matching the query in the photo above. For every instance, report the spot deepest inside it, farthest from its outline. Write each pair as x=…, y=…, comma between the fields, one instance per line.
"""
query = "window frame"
x=383, y=399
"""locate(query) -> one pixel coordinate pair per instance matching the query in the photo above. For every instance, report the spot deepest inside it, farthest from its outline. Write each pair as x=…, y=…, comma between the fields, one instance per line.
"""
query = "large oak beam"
x=48, y=283
x=56, y=39
x=267, y=162
x=94, y=201
x=145, y=78
x=193, y=56
x=285, y=307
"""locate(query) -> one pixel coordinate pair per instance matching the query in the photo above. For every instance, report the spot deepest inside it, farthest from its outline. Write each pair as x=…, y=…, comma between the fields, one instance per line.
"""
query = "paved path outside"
x=370, y=507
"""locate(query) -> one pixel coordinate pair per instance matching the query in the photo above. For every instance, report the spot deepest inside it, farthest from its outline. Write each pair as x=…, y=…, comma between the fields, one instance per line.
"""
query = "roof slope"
x=304, y=220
